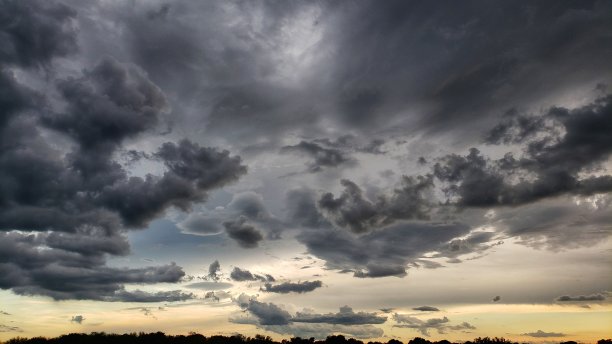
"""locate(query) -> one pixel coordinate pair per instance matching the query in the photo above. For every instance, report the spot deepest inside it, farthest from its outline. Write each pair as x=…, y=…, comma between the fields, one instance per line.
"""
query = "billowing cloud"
x=559, y=146
x=353, y=211
x=288, y=287
x=245, y=235
x=74, y=206
x=35, y=32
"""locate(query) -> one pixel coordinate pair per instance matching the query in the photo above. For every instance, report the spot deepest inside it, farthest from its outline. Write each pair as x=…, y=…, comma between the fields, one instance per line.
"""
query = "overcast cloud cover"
x=339, y=139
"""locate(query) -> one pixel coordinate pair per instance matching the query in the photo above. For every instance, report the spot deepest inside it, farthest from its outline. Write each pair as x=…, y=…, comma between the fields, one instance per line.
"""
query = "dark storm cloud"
x=551, y=165
x=79, y=199
x=581, y=298
x=426, y=309
x=381, y=253
x=288, y=287
x=437, y=60
x=322, y=157
x=346, y=316
x=28, y=266
x=240, y=275
x=542, y=334
x=33, y=32
x=244, y=234
x=354, y=211
x=428, y=71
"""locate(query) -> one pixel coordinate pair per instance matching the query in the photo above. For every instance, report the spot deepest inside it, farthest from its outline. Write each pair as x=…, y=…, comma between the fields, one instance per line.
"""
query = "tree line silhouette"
x=196, y=338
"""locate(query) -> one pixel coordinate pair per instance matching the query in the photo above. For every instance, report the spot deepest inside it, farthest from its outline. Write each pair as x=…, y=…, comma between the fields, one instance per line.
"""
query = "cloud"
x=72, y=202
x=288, y=287
x=396, y=246
x=268, y=313
x=160, y=296
x=426, y=309
x=27, y=269
x=213, y=271
x=423, y=326
x=542, y=334
x=77, y=319
x=555, y=156
x=346, y=316
x=322, y=157
x=245, y=275
x=244, y=234
x=581, y=298
x=353, y=211
x=271, y=314
x=33, y=33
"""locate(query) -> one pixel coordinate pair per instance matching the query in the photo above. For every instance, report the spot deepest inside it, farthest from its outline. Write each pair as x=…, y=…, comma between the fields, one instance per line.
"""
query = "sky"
x=377, y=169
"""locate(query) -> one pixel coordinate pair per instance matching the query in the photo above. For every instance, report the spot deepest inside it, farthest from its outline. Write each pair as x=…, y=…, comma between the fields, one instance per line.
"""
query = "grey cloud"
x=542, y=334
x=33, y=32
x=322, y=157
x=62, y=274
x=77, y=319
x=244, y=234
x=302, y=209
x=381, y=253
x=426, y=309
x=271, y=316
x=240, y=275
x=288, y=287
x=355, y=212
x=374, y=271
x=441, y=325
x=346, y=316
x=551, y=164
x=268, y=313
x=214, y=271
x=196, y=223
x=581, y=298
x=81, y=201
x=557, y=224
x=244, y=207
x=160, y=296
